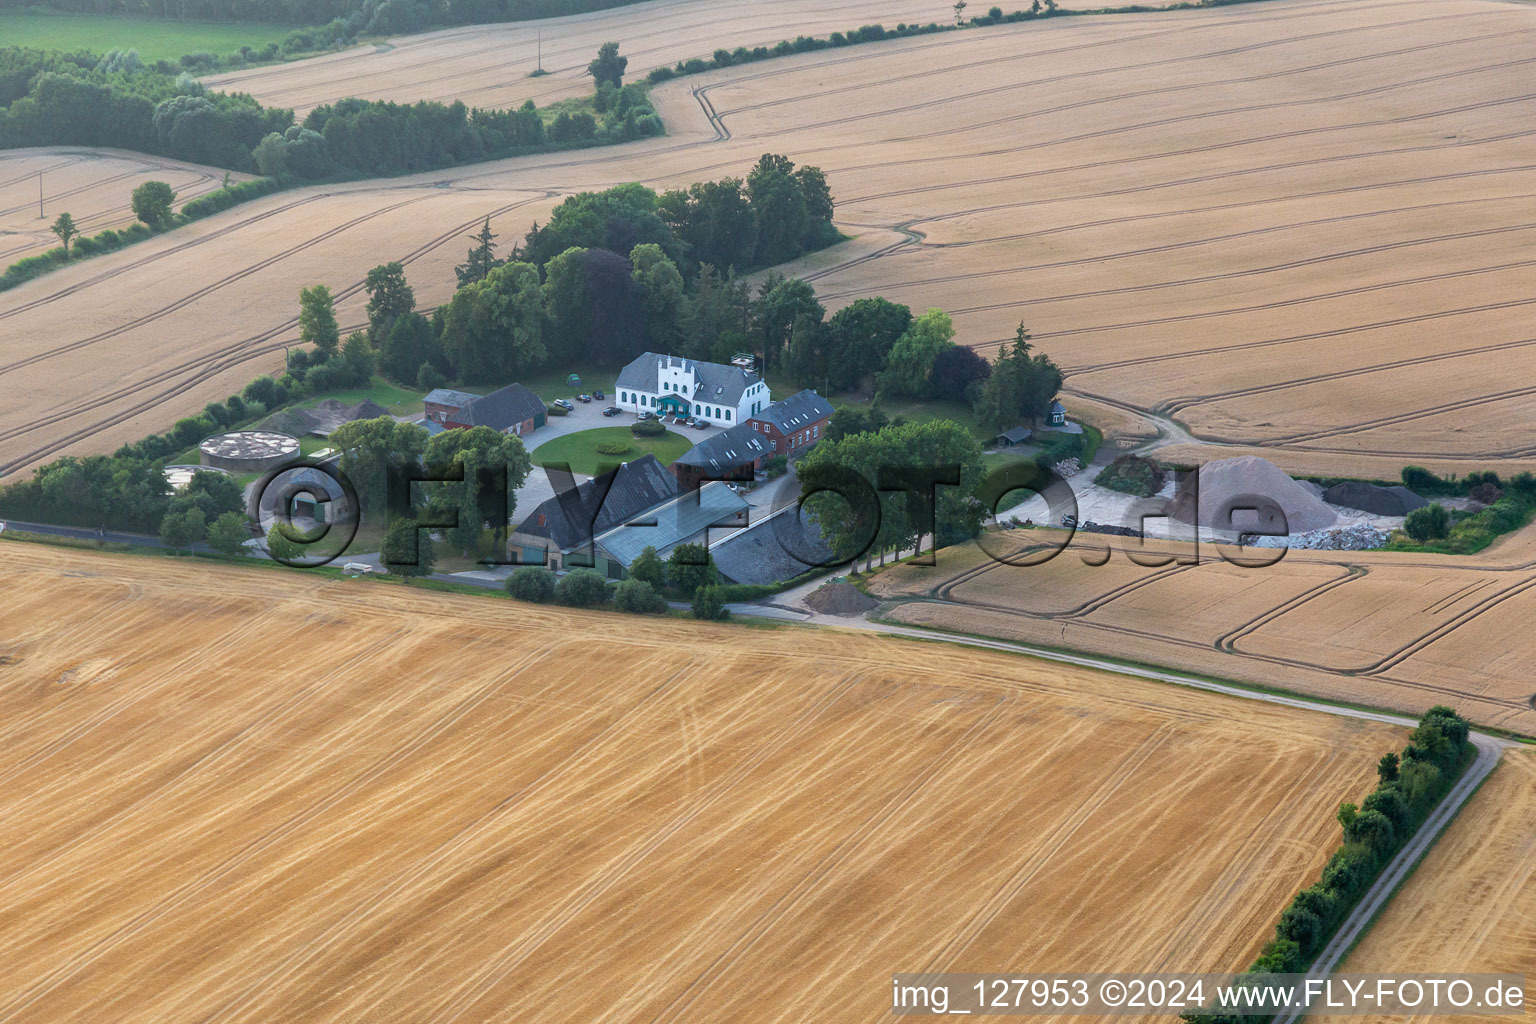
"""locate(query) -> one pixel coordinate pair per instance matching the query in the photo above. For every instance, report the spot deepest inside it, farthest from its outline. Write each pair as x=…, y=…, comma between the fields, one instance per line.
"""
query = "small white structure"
x=671, y=385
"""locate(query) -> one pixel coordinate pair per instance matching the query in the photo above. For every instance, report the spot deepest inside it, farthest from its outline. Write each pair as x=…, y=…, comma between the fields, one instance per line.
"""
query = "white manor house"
x=671, y=385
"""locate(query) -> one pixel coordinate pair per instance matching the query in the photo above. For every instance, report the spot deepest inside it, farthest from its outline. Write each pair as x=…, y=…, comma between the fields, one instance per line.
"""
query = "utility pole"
x=541, y=48
x=40, y=214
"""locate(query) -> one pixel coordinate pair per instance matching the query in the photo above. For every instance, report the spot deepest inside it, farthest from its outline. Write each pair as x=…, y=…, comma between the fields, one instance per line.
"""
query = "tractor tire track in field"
x=207, y=366
x=484, y=980
x=1225, y=275
x=410, y=879
x=995, y=123
x=810, y=882
x=1228, y=642
x=183, y=893
x=1050, y=845
x=208, y=759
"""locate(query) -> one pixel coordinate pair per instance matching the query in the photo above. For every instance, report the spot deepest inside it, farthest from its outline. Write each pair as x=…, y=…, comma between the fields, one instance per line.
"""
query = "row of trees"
x=47, y=98
x=377, y=16
x=1409, y=786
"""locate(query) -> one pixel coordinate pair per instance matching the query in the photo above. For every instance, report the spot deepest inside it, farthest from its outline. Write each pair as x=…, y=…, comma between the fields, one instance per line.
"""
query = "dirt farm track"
x=250, y=794
x=1299, y=228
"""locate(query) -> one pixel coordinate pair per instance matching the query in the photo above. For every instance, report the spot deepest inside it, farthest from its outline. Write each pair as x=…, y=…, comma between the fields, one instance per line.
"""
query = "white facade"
x=680, y=383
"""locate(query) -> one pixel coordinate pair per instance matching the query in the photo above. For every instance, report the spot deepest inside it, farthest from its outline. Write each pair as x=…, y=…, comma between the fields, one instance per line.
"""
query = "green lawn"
x=399, y=401
x=580, y=449
x=155, y=40
x=549, y=383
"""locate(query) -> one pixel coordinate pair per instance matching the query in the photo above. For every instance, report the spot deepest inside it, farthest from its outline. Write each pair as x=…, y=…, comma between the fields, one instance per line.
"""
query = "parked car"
x=584, y=399
x=700, y=425
x=612, y=410
x=692, y=420
x=564, y=404
x=599, y=396
x=1069, y=521
x=647, y=415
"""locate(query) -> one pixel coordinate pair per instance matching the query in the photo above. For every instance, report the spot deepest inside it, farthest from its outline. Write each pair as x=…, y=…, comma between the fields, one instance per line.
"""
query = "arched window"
x=698, y=410
x=727, y=415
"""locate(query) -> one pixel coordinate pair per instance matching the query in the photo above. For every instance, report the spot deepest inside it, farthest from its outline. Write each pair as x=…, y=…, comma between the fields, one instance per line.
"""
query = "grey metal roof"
x=1016, y=435
x=796, y=411
x=761, y=555
x=729, y=448
x=501, y=409
x=715, y=382
x=632, y=489
x=450, y=397
x=684, y=517
x=1058, y=407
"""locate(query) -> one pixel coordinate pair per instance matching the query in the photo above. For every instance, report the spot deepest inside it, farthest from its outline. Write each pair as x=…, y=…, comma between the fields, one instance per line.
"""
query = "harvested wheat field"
x=93, y=186
x=1471, y=905
x=1392, y=630
x=254, y=794
x=489, y=65
x=1300, y=227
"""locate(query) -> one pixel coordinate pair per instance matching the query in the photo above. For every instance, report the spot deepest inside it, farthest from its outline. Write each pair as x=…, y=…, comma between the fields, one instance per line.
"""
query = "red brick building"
x=793, y=424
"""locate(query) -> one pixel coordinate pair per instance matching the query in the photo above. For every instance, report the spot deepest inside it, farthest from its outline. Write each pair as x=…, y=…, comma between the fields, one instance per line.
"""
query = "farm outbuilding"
x=1016, y=436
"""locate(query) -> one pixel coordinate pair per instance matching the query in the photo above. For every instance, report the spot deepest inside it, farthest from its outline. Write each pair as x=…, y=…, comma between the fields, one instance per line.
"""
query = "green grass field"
x=155, y=40
x=580, y=449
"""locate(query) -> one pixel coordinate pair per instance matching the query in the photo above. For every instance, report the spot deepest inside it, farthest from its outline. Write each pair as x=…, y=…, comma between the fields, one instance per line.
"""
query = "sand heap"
x=841, y=599
x=1236, y=483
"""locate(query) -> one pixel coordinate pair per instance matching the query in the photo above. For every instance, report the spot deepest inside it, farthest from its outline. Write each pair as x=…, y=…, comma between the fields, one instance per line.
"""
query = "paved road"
x=142, y=540
x=1489, y=750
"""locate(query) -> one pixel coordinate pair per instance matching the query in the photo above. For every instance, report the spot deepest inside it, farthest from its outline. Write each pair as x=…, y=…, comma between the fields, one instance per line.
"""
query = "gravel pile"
x=1380, y=501
x=1363, y=537
x=1232, y=483
x=841, y=599
x=1068, y=468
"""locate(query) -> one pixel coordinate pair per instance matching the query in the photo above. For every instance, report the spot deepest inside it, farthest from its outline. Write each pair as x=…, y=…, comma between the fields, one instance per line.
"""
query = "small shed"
x=1057, y=417
x=1016, y=436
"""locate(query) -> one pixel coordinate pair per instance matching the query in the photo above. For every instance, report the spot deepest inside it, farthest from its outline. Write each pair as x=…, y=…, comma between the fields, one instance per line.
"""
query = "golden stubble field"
x=1298, y=228
x=251, y=794
x=1471, y=905
x=92, y=186
x=1384, y=629
x=489, y=65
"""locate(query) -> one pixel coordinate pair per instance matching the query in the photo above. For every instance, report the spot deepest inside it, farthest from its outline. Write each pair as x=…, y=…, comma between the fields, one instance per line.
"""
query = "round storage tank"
x=248, y=451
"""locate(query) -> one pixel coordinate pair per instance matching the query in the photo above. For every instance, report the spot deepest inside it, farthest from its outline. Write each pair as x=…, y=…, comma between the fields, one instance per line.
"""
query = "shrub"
x=1132, y=474
x=709, y=603
x=532, y=583
x=1417, y=478
x=647, y=428
x=649, y=568
x=582, y=588
x=690, y=567
x=614, y=448
x=1432, y=522
x=1485, y=493
x=638, y=598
